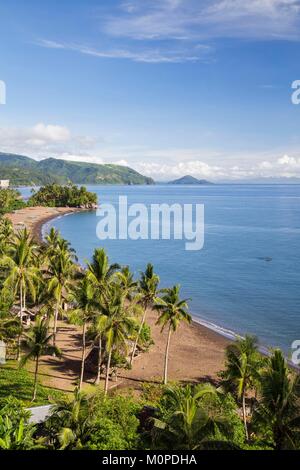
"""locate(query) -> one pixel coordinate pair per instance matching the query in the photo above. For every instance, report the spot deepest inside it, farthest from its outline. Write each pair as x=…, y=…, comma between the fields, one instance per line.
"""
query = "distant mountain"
x=189, y=180
x=21, y=170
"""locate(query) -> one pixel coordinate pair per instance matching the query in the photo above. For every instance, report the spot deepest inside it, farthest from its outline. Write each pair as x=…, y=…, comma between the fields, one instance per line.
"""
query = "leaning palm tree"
x=241, y=373
x=172, y=311
x=60, y=273
x=279, y=404
x=23, y=274
x=37, y=342
x=148, y=289
x=84, y=312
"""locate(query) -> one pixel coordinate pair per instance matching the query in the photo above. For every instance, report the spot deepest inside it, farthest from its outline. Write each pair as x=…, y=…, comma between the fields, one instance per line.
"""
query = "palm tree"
x=242, y=370
x=172, y=311
x=9, y=327
x=37, y=341
x=98, y=329
x=6, y=235
x=84, y=296
x=190, y=424
x=127, y=282
x=119, y=327
x=148, y=288
x=71, y=421
x=60, y=272
x=23, y=275
x=279, y=405
x=100, y=271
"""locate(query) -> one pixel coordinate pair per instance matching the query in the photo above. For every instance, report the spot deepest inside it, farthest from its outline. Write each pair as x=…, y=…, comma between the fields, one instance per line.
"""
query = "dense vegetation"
x=10, y=200
x=255, y=405
x=55, y=195
x=24, y=171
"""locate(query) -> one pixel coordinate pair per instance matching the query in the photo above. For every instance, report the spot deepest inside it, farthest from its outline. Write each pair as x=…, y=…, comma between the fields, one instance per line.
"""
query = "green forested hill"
x=22, y=170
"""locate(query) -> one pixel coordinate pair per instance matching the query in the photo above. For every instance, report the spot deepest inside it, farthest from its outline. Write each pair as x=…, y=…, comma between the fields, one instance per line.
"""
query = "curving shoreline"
x=196, y=351
x=33, y=218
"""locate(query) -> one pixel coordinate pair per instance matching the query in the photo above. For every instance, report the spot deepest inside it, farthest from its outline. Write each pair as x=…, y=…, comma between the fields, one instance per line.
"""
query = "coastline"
x=197, y=350
x=33, y=218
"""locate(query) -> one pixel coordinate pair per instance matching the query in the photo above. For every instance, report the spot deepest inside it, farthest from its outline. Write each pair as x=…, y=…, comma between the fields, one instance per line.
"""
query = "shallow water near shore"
x=247, y=276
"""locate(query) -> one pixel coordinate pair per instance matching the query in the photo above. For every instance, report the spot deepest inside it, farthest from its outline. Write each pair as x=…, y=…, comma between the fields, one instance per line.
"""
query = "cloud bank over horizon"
x=48, y=140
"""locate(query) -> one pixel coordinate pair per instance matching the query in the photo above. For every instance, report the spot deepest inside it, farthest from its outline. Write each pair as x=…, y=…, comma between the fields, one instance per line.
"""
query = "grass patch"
x=19, y=384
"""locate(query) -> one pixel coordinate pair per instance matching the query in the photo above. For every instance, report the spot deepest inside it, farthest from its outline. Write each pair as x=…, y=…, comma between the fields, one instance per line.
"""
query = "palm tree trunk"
x=244, y=415
x=167, y=357
x=98, y=378
x=138, y=336
x=35, y=378
x=55, y=323
x=20, y=316
x=82, y=356
x=107, y=372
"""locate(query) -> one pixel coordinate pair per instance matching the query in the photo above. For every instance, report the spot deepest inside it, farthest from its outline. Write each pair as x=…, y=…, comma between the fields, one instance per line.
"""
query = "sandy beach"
x=33, y=218
x=196, y=352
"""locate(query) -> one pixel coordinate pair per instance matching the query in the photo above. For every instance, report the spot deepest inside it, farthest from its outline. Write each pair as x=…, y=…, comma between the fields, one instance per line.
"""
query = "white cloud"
x=192, y=19
x=49, y=140
x=51, y=133
x=149, y=55
x=175, y=31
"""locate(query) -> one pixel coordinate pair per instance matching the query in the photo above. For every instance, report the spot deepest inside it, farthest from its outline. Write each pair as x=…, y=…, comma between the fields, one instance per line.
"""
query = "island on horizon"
x=188, y=179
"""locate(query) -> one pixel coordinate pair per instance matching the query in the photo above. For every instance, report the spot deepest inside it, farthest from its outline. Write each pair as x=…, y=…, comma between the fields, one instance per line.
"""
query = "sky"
x=167, y=87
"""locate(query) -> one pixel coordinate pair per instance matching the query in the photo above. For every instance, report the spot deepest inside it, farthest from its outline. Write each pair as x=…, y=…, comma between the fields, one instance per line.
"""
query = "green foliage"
x=54, y=195
x=18, y=383
x=196, y=417
x=15, y=431
x=22, y=170
x=116, y=424
x=10, y=200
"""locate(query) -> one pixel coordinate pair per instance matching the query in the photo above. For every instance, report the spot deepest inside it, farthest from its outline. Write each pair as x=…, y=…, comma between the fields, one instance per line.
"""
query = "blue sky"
x=168, y=87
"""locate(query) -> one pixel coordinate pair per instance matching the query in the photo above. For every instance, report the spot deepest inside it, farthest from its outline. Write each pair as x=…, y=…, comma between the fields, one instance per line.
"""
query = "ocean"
x=246, y=279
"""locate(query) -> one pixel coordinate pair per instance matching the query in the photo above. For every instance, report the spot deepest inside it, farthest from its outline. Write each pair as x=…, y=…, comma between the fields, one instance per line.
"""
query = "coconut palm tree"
x=98, y=328
x=279, y=404
x=70, y=423
x=190, y=424
x=172, y=311
x=148, y=289
x=100, y=271
x=119, y=327
x=23, y=275
x=241, y=373
x=127, y=282
x=37, y=342
x=84, y=312
x=6, y=235
x=60, y=272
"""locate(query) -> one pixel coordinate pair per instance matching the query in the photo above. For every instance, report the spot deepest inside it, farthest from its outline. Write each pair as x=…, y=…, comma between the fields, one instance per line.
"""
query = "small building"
x=4, y=184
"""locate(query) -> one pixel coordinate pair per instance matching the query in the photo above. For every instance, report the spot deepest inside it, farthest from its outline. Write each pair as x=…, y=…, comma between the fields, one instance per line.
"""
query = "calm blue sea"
x=230, y=281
